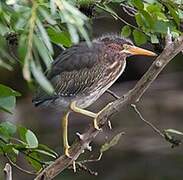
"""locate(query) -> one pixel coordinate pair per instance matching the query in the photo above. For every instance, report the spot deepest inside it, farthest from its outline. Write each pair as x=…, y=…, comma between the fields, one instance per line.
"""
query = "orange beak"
x=133, y=50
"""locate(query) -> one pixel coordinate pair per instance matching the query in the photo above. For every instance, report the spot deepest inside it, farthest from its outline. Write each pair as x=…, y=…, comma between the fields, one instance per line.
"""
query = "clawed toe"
x=66, y=152
x=96, y=125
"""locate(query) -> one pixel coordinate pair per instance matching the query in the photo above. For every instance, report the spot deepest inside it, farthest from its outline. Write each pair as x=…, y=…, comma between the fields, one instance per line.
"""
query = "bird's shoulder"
x=77, y=57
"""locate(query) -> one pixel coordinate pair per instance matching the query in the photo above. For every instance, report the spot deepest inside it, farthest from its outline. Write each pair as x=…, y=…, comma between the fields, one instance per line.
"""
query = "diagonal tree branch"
x=132, y=97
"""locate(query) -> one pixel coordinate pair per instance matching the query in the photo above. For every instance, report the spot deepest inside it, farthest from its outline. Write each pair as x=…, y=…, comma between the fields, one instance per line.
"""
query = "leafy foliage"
x=38, y=24
x=153, y=18
x=16, y=140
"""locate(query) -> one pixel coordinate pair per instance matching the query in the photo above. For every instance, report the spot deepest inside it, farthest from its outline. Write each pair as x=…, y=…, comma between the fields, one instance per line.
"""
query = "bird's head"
x=123, y=46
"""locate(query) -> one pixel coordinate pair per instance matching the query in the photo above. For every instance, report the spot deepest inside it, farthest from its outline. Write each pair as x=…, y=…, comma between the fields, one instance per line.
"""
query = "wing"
x=73, y=72
x=72, y=83
x=75, y=58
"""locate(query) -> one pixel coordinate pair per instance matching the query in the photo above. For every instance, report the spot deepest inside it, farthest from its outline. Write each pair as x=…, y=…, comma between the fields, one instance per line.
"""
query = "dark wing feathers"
x=73, y=82
x=73, y=72
x=77, y=57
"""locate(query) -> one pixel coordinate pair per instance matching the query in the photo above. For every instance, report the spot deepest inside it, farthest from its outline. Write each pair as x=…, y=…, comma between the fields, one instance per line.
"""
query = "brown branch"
x=132, y=97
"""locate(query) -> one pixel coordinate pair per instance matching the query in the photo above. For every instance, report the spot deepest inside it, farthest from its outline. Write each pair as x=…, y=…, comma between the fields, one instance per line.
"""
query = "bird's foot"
x=96, y=125
x=66, y=151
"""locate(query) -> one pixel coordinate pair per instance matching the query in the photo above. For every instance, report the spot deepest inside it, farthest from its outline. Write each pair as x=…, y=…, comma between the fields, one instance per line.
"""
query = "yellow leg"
x=65, y=133
x=86, y=113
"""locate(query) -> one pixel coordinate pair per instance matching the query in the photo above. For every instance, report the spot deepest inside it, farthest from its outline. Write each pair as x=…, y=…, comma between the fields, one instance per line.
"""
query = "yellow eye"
x=126, y=46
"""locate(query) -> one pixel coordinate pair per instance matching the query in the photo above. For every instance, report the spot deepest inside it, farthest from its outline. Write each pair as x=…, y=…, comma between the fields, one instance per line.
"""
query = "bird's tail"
x=44, y=100
x=37, y=102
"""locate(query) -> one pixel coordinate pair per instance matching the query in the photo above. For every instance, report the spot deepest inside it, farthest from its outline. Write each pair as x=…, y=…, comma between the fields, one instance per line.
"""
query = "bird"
x=82, y=73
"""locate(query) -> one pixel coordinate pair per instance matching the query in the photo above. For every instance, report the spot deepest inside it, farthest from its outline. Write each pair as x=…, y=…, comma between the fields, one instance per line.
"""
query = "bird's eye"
x=126, y=46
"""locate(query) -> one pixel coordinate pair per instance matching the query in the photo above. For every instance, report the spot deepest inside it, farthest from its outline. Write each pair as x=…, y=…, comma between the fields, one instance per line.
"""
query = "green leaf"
x=174, y=131
x=44, y=36
x=139, y=20
x=45, y=153
x=41, y=79
x=59, y=37
x=31, y=139
x=3, y=29
x=6, y=91
x=7, y=104
x=154, y=8
x=75, y=21
x=44, y=12
x=35, y=164
x=4, y=135
x=138, y=4
x=144, y=20
x=126, y=31
x=110, y=144
x=47, y=149
x=8, y=148
x=161, y=16
x=22, y=131
x=22, y=46
x=1, y=149
x=9, y=128
x=28, y=137
x=52, y=6
x=161, y=27
x=147, y=19
x=73, y=33
x=7, y=98
x=174, y=14
x=154, y=39
x=43, y=51
x=11, y=151
x=139, y=37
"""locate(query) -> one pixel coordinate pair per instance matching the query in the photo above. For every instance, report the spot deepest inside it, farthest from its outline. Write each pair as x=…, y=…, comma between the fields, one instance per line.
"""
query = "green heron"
x=81, y=74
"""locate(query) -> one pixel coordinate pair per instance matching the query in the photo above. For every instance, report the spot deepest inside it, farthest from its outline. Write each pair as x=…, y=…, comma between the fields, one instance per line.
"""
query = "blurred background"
x=141, y=154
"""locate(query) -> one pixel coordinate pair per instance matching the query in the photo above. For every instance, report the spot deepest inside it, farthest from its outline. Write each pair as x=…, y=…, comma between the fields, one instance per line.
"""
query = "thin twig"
x=81, y=166
x=147, y=122
x=91, y=160
x=128, y=9
x=18, y=167
x=113, y=94
x=174, y=142
x=117, y=17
